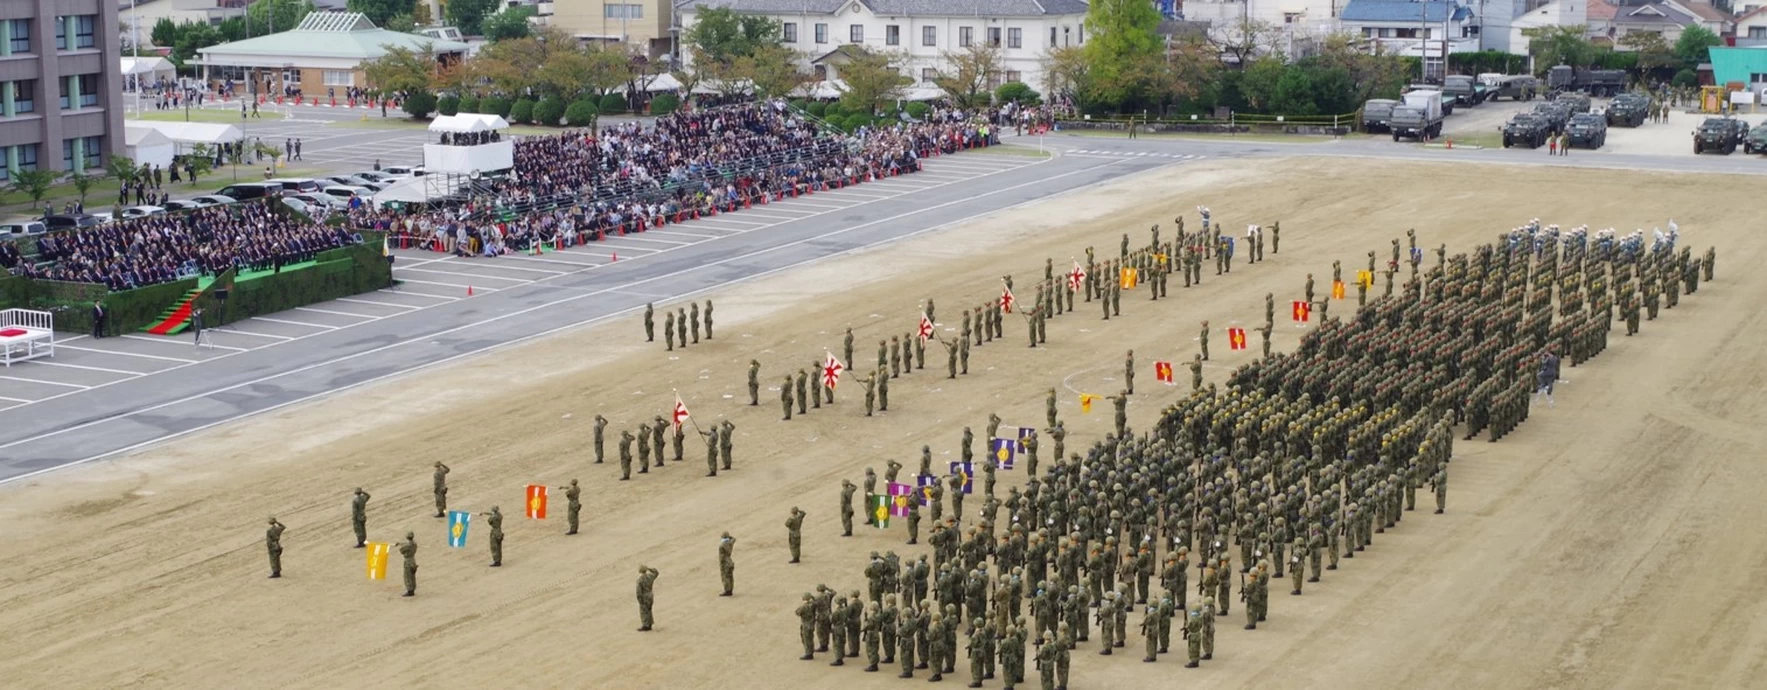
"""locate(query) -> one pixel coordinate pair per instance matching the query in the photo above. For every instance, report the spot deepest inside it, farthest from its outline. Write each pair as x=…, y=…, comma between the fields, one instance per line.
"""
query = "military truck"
x=1463, y=90
x=1587, y=131
x=1520, y=87
x=1419, y=117
x=1720, y=134
x=1556, y=115
x=1756, y=141
x=1595, y=82
x=1525, y=129
x=1377, y=114
x=1628, y=110
x=1447, y=103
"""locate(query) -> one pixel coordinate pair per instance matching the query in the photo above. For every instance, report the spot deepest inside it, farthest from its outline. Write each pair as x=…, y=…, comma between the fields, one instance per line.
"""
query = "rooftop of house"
x=1418, y=11
x=893, y=8
x=349, y=35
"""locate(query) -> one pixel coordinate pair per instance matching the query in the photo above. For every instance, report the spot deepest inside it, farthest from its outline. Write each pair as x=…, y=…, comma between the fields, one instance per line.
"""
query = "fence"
x=1234, y=122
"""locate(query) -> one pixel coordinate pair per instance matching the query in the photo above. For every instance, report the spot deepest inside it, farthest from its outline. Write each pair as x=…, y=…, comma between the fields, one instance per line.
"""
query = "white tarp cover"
x=191, y=133
x=147, y=66
x=417, y=190
x=146, y=146
x=467, y=122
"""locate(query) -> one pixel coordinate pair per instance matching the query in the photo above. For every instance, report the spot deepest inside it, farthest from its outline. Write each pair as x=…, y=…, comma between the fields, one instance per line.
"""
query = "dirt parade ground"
x=1613, y=541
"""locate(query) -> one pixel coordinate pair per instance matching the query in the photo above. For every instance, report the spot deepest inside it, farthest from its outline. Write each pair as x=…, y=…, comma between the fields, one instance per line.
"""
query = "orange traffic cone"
x=469, y=291
x=616, y=257
x=1450, y=142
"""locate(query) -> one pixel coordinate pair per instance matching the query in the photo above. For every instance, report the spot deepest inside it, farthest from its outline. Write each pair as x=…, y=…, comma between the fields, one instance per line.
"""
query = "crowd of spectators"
x=165, y=248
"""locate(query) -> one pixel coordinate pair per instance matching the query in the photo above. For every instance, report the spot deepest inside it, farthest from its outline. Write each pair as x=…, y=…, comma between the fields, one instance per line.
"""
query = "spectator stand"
x=467, y=146
x=26, y=334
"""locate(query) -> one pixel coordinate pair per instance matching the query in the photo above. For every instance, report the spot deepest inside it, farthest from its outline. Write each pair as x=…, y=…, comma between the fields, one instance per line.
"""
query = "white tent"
x=417, y=190
x=922, y=92
x=662, y=82
x=146, y=146
x=188, y=134
x=832, y=88
x=148, y=67
x=458, y=124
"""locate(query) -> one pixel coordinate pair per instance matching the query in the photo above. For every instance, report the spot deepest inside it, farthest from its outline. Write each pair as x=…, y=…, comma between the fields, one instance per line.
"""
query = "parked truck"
x=1377, y=114
x=1419, y=116
x=1595, y=82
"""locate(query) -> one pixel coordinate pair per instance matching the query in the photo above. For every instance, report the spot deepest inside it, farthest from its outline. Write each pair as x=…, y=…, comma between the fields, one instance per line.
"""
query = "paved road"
x=73, y=427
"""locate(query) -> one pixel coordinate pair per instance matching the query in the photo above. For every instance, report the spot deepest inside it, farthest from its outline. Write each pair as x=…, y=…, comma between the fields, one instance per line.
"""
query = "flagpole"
x=690, y=418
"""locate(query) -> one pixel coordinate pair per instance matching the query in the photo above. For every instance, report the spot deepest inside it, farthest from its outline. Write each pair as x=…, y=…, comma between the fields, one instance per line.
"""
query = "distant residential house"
x=1751, y=27
x=1427, y=29
x=1608, y=23
x=1513, y=38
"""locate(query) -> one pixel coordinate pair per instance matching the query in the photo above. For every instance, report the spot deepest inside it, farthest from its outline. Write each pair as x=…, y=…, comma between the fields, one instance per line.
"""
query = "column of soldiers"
x=1298, y=461
x=678, y=325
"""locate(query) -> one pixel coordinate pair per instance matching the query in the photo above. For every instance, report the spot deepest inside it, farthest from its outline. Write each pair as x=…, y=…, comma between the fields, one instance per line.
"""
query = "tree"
x=164, y=33
x=772, y=70
x=509, y=65
x=469, y=15
x=200, y=161
x=191, y=37
x=382, y=11
x=1189, y=66
x=570, y=71
x=1372, y=75
x=402, y=23
x=1559, y=45
x=1242, y=41
x=872, y=77
x=1259, y=85
x=1651, y=49
x=1018, y=91
x=270, y=151
x=966, y=81
x=419, y=104
x=121, y=168
x=1692, y=45
x=1123, y=37
x=275, y=16
x=401, y=69
x=581, y=113
x=723, y=35
x=34, y=183
x=1069, y=74
x=82, y=184
x=1294, y=93
x=510, y=23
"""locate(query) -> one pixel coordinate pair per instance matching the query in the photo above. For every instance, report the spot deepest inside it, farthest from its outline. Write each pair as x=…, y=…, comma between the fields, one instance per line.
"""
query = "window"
x=966, y=36
x=1404, y=33
x=24, y=96
x=1758, y=32
x=27, y=156
x=61, y=33
x=1471, y=31
x=84, y=27
x=1291, y=17
x=892, y=35
x=790, y=32
x=928, y=74
x=21, y=35
x=929, y=36
x=856, y=33
x=88, y=85
x=994, y=36
x=623, y=11
x=1052, y=37
x=337, y=77
x=994, y=81
x=1015, y=38
x=821, y=33
x=1081, y=35
x=1014, y=75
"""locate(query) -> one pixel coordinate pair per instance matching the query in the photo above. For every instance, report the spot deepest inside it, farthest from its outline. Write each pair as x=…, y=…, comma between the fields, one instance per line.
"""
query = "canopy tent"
x=188, y=134
x=146, y=68
x=662, y=82
x=832, y=88
x=922, y=92
x=420, y=190
x=467, y=122
x=146, y=146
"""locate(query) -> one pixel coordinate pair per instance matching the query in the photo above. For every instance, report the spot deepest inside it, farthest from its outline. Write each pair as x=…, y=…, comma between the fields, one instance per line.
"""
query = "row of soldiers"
x=689, y=319
x=1301, y=460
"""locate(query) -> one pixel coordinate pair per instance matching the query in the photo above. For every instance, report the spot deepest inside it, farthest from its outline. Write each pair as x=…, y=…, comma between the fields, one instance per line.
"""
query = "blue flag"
x=1003, y=450
x=967, y=472
x=458, y=522
x=1024, y=432
x=926, y=483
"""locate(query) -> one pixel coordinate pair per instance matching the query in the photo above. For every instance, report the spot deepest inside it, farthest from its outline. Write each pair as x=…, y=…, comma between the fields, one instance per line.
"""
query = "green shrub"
x=469, y=104
x=1685, y=79
x=495, y=105
x=816, y=108
x=548, y=110
x=448, y=105
x=917, y=110
x=613, y=104
x=581, y=113
x=664, y=104
x=798, y=103
x=522, y=112
x=835, y=111
x=857, y=120
x=1018, y=91
x=420, y=104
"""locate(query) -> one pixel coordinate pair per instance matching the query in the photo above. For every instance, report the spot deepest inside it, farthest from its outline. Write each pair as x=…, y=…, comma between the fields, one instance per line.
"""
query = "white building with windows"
x=922, y=30
x=1429, y=29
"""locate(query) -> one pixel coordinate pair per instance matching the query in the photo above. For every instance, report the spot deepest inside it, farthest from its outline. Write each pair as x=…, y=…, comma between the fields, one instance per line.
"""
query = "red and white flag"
x=926, y=328
x=1077, y=277
x=680, y=414
x=831, y=371
x=1006, y=300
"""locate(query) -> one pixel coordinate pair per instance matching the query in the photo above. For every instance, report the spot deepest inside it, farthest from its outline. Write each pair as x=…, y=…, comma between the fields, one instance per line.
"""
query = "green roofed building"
x=321, y=56
x=1747, y=66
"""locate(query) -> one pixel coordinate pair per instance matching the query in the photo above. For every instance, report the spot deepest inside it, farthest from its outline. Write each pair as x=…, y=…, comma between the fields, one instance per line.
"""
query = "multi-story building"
x=923, y=31
x=1429, y=29
x=642, y=24
x=59, y=82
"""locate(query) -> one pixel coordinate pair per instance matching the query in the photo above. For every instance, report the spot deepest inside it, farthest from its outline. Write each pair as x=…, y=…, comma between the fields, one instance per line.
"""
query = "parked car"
x=69, y=221
x=347, y=179
x=251, y=190
x=1756, y=141
x=142, y=211
x=33, y=227
x=297, y=204
x=322, y=199
x=292, y=185
x=208, y=200
x=176, y=205
x=376, y=176
x=404, y=171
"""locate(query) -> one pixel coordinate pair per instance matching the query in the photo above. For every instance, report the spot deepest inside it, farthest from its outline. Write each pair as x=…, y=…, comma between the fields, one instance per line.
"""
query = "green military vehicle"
x=1587, y=131
x=1578, y=102
x=1756, y=141
x=1377, y=115
x=1518, y=87
x=1628, y=110
x=1720, y=134
x=1556, y=114
x=1525, y=129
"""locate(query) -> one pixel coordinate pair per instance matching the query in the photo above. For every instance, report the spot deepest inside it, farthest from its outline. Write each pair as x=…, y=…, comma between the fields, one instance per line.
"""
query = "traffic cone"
x=469, y=291
x=1450, y=142
x=616, y=258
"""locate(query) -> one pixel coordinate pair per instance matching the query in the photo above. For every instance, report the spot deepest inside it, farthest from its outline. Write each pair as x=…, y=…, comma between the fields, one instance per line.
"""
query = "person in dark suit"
x=99, y=317
x=196, y=325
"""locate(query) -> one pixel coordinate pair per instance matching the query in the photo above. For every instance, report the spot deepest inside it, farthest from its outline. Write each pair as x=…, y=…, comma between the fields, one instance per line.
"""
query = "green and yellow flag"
x=880, y=511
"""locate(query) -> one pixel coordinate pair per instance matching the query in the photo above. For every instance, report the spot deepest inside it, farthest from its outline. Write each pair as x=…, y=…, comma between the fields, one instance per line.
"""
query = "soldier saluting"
x=273, y=542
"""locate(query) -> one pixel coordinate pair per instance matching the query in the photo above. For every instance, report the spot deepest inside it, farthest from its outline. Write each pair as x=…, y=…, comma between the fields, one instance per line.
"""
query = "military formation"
x=1293, y=464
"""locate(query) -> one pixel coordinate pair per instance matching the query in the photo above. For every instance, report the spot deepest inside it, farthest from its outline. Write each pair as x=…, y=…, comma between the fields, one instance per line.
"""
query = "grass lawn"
x=1490, y=140
x=203, y=115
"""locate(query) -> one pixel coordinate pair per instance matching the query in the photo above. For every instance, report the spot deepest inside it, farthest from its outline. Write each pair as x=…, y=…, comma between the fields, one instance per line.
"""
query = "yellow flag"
x=1086, y=402
x=1128, y=279
x=1161, y=258
x=1365, y=278
x=1337, y=289
x=377, y=560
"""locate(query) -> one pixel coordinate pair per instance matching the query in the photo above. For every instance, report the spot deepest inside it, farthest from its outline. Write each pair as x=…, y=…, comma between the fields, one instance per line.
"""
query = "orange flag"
x=1086, y=402
x=1302, y=310
x=1162, y=372
x=1236, y=338
x=377, y=560
x=536, y=505
x=1337, y=289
